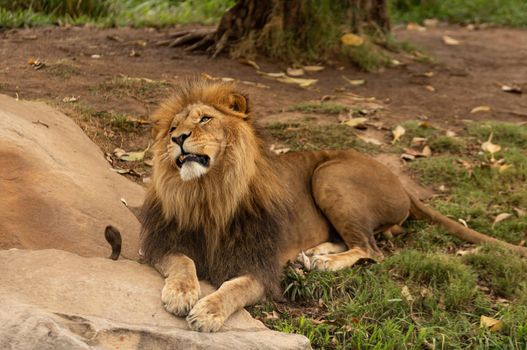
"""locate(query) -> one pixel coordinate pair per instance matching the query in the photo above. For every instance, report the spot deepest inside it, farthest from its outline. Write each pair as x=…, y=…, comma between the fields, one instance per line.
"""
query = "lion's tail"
x=421, y=211
x=113, y=236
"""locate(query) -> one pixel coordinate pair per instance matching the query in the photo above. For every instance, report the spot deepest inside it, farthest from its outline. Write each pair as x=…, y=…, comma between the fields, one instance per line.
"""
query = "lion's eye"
x=204, y=119
x=171, y=130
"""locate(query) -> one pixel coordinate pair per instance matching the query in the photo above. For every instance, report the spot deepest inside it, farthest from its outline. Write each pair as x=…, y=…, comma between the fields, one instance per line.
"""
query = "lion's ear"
x=238, y=103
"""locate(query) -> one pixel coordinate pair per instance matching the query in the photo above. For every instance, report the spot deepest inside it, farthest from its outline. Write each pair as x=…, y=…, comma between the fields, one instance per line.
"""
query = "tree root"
x=199, y=40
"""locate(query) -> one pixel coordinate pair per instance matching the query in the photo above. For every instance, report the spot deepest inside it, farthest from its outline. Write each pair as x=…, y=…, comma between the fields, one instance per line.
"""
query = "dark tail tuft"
x=113, y=236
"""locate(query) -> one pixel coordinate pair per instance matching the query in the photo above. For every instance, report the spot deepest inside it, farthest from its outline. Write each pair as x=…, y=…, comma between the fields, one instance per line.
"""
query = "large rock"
x=51, y=299
x=56, y=188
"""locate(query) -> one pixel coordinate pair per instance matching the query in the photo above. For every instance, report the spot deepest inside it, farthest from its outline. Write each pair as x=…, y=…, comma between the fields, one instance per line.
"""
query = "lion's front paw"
x=207, y=315
x=180, y=296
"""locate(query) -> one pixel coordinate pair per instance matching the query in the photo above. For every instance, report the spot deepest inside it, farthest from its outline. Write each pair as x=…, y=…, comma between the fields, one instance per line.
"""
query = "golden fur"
x=221, y=208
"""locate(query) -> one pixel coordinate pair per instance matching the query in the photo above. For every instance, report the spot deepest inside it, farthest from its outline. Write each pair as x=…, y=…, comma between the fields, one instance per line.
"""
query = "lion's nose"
x=180, y=138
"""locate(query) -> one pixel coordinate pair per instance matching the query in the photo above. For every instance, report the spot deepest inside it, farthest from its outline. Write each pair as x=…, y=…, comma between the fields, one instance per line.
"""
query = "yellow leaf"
x=490, y=147
x=430, y=88
x=406, y=294
x=249, y=63
x=480, y=109
x=295, y=72
x=426, y=152
x=354, y=122
x=281, y=77
x=398, y=132
x=490, y=323
x=354, y=82
x=501, y=217
x=313, y=69
x=450, y=41
x=351, y=39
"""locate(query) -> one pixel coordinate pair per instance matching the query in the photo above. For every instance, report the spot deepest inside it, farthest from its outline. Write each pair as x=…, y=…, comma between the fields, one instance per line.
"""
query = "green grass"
x=136, y=13
x=309, y=136
x=319, y=107
x=506, y=13
x=423, y=295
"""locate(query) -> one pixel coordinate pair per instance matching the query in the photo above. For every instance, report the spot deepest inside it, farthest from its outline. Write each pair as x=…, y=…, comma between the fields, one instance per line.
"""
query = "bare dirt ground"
x=86, y=62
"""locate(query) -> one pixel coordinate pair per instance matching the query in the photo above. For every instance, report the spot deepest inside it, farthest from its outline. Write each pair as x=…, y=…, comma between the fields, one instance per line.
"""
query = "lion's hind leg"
x=358, y=198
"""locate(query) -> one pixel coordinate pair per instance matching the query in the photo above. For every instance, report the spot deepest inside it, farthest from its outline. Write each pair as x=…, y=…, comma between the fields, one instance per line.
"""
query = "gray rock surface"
x=56, y=188
x=52, y=299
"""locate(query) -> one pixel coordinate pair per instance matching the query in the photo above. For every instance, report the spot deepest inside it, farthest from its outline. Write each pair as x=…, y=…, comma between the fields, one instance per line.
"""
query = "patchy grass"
x=506, y=13
x=309, y=136
x=63, y=69
x=319, y=107
x=138, y=88
x=423, y=295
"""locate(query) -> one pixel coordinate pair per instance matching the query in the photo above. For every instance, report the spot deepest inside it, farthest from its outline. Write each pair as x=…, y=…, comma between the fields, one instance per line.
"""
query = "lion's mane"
x=229, y=221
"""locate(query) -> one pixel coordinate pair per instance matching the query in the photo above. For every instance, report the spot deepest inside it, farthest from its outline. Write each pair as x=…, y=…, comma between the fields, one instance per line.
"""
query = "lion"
x=222, y=208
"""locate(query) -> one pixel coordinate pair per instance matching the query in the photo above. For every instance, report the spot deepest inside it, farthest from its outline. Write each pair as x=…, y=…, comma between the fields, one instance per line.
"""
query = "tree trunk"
x=284, y=28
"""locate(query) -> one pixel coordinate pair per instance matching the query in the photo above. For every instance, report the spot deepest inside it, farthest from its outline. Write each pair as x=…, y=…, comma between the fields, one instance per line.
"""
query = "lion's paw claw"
x=206, y=316
x=179, y=297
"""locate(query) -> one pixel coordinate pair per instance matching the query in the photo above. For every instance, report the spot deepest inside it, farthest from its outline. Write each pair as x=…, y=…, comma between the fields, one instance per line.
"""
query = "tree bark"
x=265, y=22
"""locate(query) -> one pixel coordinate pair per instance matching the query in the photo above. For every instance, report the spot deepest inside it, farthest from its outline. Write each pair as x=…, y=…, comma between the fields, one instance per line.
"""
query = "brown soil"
x=464, y=76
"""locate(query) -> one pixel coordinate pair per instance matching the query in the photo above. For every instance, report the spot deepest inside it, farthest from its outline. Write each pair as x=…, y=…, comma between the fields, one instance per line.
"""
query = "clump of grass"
x=319, y=107
x=141, y=89
x=504, y=134
x=441, y=169
x=504, y=272
x=309, y=136
x=442, y=143
x=367, y=56
x=63, y=69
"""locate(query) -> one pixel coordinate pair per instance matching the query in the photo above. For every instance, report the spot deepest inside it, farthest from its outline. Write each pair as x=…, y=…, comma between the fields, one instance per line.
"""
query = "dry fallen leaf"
x=354, y=82
x=500, y=218
x=295, y=72
x=355, y=122
x=70, y=99
x=426, y=152
x=407, y=156
x=398, y=132
x=371, y=140
x=512, y=89
x=130, y=156
x=480, y=109
x=415, y=26
x=463, y=222
x=418, y=141
x=249, y=63
x=519, y=212
x=430, y=88
x=405, y=292
x=36, y=63
x=351, y=39
x=450, y=41
x=490, y=147
x=471, y=250
x=279, y=150
x=490, y=323
x=313, y=69
x=281, y=77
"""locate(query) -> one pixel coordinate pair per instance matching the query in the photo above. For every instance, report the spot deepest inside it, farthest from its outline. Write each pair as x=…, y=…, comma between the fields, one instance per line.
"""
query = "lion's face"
x=196, y=140
x=195, y=129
